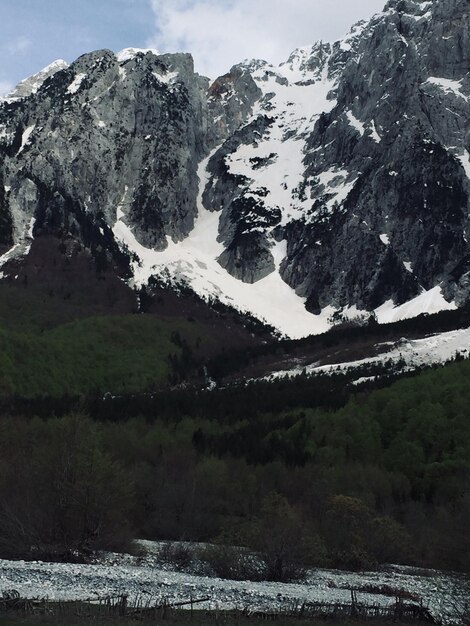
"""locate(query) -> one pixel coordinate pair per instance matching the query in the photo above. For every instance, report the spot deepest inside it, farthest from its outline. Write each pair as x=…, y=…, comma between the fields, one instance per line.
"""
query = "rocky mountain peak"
x=130, y=53
x=336, y=182
x=30, y=85
x=307, y=63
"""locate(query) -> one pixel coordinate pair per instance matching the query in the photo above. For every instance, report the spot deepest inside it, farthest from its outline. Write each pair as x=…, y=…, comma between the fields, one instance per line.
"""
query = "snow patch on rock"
x=75, y=84
x=130, y=53
x=26, y=137
x=431, y=301
x=410, y=353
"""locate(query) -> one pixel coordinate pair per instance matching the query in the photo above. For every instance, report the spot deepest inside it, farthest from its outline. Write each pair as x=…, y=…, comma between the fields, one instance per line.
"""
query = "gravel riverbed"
x=115, y=574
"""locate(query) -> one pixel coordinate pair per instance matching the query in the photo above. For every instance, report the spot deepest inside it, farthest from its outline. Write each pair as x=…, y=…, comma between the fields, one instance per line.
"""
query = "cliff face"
x=106, y=132
x=398, y=135
x=376, y=203
x=338, y=180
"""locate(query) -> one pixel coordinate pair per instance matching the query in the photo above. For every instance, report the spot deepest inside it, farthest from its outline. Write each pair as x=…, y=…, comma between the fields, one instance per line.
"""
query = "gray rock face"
x=230, y=102
x=248, y=258
x=350, y=160
x=397, y=131
x=244, y=218
x=103, y=133
x=6, y=225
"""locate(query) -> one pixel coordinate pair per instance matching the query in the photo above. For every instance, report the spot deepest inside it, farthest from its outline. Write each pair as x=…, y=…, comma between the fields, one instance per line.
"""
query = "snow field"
x=435, y=349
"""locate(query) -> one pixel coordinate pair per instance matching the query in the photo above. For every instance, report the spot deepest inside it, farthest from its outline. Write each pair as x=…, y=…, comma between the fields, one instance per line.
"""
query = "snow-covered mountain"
x=332, y=185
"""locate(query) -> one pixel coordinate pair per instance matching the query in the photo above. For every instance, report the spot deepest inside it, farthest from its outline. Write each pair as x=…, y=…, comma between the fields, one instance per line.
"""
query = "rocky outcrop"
x=230, y=101
x=243, y=218
x=103, y=134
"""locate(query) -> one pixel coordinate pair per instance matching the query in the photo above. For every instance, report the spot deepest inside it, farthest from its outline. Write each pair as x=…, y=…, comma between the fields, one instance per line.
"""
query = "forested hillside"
x=51, y=346
x=384, y=478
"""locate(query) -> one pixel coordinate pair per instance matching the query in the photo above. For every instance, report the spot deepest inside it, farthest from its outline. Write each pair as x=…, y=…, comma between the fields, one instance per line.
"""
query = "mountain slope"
x=331, y=186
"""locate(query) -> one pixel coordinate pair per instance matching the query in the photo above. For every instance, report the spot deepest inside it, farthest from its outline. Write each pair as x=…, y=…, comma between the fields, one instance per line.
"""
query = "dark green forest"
x=340, y=480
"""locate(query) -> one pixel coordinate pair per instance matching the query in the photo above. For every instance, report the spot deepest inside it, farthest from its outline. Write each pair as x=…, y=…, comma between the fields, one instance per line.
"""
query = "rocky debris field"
x=144, y=576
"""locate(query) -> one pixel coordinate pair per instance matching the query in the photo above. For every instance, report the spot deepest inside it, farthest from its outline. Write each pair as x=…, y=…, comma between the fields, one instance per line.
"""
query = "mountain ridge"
x=334, y=184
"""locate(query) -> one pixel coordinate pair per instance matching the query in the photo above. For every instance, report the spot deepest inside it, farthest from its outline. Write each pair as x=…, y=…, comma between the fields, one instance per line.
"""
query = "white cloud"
x=220, y=33
x=20, y=45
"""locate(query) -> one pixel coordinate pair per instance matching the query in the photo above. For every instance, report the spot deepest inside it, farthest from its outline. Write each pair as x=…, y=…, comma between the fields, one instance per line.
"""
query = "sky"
x=218, y=33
